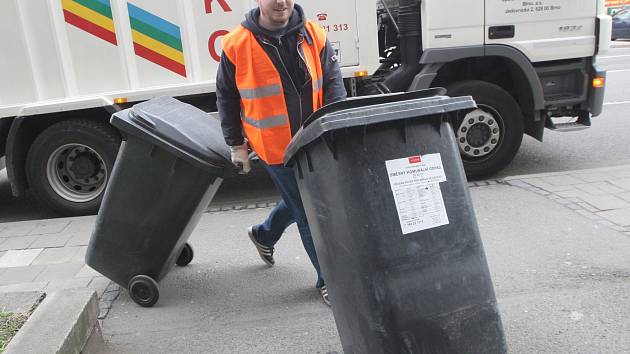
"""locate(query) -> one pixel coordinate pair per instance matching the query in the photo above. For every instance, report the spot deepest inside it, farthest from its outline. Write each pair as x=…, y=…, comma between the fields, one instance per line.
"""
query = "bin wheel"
x=186, y=256
x=144, y=290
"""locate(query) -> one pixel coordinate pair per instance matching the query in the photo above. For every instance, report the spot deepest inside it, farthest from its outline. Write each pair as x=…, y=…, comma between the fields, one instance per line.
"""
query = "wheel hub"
x=142, y=291
x=76, y=173
x=478, y=134
x=82, y=165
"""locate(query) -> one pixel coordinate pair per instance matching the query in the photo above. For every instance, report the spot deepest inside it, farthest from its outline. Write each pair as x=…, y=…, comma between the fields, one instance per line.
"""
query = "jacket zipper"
x=289, y=75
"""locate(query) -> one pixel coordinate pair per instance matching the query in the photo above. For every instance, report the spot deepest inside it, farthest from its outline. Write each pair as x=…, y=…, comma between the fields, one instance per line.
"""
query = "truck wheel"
x=489, y=137
x=69, y=164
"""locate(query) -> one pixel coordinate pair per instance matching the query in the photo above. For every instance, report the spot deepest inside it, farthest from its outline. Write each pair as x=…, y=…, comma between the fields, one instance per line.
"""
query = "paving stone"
x=588, y=214
x=563, y=201
x=518, y=183
x=21, y=275
x=563, y=180
x=59, y=271
x=56, y=255
x=110, y=296
x=103, y=312
x=605, y=223
x=609, y=188
x=18, y=229
x=105, y=305
x=622, y=183
x=593, y=177
x=588, y=207
x=49, y=227
x=76, y=283
x=544, y=184
x=624, y=173
x=99, y=284
x=591, y=188
x=112, y=287
x=81, y=239
x=79, y=257
x=605, y=202
x=618, y=216
x=88, y=272
x=53, y=241
x=17, y=243
x=40, y=286
x=20, y=302
x=19, y=258
x=569, y=193
x=573, y=206
x=84, y=225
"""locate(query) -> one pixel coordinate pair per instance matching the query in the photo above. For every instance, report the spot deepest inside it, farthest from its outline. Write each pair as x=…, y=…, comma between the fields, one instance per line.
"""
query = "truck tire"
x=489, y=137
x=69, y=164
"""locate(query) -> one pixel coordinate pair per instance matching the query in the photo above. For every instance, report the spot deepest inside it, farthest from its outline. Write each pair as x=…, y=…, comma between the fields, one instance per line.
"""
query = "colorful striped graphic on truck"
x=92, y=16
x=157, y=40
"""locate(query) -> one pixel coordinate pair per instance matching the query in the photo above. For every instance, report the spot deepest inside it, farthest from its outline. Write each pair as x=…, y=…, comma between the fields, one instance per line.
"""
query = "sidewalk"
x=557, y=245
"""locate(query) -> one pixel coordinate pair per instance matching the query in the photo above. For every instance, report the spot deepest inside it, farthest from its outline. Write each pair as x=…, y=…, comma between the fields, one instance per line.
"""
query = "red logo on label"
x=322, y=16
x=415, y=159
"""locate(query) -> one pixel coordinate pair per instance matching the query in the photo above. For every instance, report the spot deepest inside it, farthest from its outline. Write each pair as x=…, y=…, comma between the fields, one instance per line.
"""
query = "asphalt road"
x=604, y=144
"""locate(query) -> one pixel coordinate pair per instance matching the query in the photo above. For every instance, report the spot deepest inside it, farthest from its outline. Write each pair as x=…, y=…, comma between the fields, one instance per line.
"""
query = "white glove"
x=240, y=158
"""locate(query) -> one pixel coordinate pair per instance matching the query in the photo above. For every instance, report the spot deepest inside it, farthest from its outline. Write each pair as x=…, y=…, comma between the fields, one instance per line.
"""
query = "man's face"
x=275, y=12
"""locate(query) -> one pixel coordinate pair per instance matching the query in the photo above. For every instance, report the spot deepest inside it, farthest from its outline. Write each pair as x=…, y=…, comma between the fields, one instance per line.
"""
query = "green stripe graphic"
x=156, y=34
x=96, y=6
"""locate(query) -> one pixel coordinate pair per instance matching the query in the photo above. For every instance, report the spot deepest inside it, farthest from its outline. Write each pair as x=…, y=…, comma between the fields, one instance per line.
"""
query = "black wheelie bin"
x=172, y=161
x=387, y=201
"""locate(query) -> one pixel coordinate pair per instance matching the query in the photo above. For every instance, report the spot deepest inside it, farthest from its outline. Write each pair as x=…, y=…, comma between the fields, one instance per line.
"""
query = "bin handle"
x=142, y=120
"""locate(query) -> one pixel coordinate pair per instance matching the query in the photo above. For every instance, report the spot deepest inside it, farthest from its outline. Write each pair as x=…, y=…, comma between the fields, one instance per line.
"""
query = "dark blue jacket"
x=282, y=49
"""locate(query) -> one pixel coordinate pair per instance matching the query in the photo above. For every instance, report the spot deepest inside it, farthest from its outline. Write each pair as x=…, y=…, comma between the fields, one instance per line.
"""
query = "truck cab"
x=525, y=63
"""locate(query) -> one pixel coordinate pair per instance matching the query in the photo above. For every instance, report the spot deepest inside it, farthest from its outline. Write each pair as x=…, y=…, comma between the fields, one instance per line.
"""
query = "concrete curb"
x=65, y=322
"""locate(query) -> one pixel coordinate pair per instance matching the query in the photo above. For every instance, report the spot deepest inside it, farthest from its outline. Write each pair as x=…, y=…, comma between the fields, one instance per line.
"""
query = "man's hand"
x=240, y=158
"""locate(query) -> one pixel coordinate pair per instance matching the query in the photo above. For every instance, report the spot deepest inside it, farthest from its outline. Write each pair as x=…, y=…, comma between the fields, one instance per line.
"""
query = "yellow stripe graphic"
x=157, y=47
x=88, y=14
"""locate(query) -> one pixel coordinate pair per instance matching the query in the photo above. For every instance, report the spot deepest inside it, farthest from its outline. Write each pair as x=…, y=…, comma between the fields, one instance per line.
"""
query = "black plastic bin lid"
x=180, y=128
x=362, y=111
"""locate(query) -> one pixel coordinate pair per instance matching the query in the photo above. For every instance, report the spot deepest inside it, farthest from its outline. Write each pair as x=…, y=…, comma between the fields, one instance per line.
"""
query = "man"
x=276, y=69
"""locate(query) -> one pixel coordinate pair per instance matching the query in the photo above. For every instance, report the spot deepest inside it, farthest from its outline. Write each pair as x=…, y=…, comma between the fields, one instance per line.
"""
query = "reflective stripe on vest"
x=264, y=111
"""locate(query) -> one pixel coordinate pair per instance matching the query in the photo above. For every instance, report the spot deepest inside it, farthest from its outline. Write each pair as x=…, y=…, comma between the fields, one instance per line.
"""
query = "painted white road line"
x=618, y=71
x=616, y=103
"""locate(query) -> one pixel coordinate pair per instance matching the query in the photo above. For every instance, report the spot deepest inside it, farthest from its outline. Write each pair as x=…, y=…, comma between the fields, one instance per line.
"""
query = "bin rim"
x=400, y=108
x=127, y=128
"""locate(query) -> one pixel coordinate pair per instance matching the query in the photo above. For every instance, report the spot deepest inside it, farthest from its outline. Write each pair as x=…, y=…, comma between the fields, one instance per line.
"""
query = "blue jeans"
x=288, y=211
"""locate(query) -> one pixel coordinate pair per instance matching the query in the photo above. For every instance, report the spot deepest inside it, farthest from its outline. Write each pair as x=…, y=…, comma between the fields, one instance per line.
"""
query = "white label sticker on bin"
x=415, y=183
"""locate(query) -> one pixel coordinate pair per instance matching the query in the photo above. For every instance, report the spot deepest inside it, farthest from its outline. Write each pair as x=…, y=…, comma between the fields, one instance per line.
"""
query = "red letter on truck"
x=212, y=44
x=223, y=3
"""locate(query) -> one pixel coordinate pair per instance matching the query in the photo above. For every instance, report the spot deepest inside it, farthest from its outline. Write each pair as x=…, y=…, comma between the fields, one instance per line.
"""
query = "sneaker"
x=324, y=291
x=265, y=252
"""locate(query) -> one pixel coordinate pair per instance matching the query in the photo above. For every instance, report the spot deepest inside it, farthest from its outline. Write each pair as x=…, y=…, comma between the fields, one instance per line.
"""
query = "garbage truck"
x=68, y=65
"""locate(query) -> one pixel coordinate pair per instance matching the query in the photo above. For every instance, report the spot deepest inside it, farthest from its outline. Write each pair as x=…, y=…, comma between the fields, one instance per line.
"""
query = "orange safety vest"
x=264, y=113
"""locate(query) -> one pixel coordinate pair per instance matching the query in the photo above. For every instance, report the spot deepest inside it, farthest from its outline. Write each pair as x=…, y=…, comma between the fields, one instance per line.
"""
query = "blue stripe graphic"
x=152, y=20
x=104, y=2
